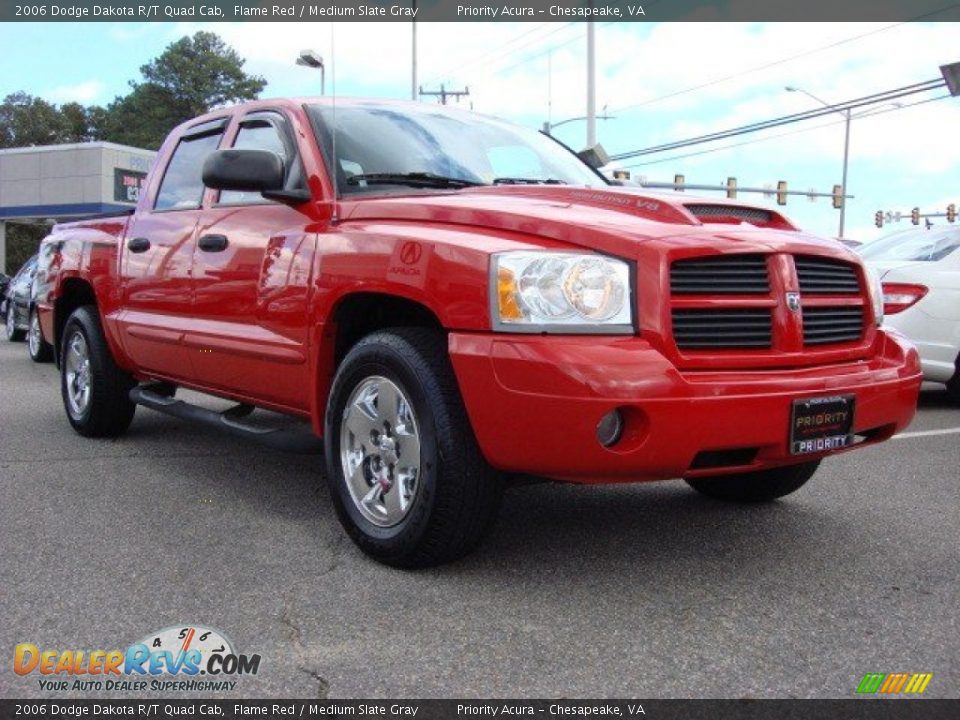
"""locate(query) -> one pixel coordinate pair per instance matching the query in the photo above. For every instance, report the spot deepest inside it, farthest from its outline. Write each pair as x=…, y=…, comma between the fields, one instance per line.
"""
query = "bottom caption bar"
x=455, y=709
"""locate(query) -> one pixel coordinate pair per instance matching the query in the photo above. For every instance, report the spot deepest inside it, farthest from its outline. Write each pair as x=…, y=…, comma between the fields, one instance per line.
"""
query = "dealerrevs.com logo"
x=186, y=658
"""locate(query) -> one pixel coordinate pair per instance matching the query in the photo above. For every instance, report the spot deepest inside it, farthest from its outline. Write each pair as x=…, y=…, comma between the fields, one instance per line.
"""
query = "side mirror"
x=244, y=170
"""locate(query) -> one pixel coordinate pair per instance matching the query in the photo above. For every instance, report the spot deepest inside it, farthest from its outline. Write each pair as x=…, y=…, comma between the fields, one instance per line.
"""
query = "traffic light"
x=878, y=218
x=731, y=188
x=678, y=182
x=837, y=196
x=915, y=216
x=782, y=192
x=951, y=212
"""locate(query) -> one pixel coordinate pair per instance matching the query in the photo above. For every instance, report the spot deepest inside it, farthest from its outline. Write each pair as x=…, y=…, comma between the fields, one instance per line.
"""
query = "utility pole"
x=413, y=60
x=443, y=93
x=591, y=85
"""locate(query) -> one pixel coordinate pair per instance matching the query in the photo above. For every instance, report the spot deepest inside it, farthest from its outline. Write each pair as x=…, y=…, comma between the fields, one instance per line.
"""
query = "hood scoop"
x=720, y=213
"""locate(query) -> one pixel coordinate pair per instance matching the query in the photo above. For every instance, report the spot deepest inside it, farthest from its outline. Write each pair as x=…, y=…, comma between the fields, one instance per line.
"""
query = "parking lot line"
x=927, y=433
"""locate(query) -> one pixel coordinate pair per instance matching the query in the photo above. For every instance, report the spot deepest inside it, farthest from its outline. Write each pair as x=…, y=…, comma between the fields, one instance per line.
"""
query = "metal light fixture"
x=312, y=59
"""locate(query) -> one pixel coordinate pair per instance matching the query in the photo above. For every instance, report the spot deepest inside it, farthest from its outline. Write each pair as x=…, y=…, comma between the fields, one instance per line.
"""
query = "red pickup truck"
x=451, y=300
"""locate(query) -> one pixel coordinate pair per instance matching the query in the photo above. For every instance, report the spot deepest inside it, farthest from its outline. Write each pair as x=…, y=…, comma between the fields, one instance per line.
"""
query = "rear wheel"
x=759, y=486
x=40, y=350
x=406, y=475
x=953, y=387
x=96, y=393
x=13, y=335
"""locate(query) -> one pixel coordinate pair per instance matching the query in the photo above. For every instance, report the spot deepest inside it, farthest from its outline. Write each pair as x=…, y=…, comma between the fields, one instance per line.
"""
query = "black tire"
x=457, y=494
x=760, y=486
x=10, y=327
x=953, y=386
x=108, y=411
x=40, y=350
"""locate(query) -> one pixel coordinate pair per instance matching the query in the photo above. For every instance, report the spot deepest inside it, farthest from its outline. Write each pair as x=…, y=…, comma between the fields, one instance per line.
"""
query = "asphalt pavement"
x=632, y=591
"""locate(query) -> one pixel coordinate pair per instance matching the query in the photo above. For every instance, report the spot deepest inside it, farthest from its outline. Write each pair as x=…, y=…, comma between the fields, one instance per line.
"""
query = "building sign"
x=127, y=185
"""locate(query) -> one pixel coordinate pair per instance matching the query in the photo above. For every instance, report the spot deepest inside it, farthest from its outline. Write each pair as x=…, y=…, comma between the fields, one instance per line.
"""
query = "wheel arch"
x=74, y=292
x=353, y=316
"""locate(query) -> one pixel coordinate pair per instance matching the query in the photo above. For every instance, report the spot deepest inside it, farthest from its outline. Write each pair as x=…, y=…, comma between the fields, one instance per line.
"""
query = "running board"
x=300, y=441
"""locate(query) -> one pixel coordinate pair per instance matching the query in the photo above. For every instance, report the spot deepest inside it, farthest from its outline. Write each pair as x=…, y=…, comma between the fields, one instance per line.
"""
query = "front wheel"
x=759, y=486
x=13, y=334
x=405, y=473
x=40, y=350
x=96, y=393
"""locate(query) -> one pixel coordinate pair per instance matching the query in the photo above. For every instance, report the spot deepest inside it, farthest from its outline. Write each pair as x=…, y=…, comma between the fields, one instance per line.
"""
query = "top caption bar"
x=479, y=10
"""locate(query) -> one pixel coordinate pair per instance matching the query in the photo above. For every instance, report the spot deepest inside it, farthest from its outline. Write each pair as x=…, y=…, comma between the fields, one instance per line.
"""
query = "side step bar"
x=293, y=440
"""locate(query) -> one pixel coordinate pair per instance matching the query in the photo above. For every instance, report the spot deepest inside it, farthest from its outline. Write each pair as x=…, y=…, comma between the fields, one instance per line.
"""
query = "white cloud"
x=84, y=93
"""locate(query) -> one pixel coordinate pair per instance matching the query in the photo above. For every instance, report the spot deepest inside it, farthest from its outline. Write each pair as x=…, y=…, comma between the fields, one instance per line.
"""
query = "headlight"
x=560, y=292
x=876, y=294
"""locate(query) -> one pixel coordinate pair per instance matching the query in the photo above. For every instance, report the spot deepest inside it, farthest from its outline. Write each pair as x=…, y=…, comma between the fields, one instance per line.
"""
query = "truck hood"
x=613, y=220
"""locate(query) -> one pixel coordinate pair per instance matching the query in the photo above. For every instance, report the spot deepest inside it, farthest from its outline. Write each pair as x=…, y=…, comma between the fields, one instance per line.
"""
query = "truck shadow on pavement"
x=548, y=529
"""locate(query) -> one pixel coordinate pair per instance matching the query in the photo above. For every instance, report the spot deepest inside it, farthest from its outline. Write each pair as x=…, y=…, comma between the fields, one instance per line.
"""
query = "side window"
x=258, y=133
x=182, y=185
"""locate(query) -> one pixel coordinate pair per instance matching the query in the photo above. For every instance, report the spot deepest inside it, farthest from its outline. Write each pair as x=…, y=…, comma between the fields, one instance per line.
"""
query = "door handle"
x=213, y=243
x=138, y=245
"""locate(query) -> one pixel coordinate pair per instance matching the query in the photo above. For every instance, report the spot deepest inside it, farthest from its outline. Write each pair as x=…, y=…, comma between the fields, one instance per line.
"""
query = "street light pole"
x=312, y=59
x=846, y=152
x=843, y=180
x=413, y=60
x=591, y=86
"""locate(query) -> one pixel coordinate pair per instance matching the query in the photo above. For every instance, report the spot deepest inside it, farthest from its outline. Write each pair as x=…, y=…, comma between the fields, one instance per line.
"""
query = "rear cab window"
x=182, y=185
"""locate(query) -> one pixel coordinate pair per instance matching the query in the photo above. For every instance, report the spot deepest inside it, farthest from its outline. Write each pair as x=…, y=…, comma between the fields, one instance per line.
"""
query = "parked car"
x=920, y=271
x=20, y=313
x=451, y=300
x=4, y=284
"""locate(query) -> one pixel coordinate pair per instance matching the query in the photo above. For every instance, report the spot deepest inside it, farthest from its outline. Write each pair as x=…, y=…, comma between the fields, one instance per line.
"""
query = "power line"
x=783, y=61
x=767, y=138
x=501, y=49
x=758, y=68
x=787, y=119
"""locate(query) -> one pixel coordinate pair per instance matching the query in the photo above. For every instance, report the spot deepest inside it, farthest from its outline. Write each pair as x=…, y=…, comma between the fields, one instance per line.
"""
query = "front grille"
x=829, y=325
x=823, y=276
x=720, y=275
x=754, y=216
x=722, y=328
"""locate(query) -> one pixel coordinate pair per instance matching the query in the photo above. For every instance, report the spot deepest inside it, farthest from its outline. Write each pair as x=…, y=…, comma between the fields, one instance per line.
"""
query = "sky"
x=659, y=82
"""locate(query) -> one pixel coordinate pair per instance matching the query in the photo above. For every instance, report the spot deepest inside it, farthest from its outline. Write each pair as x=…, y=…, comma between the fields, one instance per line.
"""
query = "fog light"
x=610, y=428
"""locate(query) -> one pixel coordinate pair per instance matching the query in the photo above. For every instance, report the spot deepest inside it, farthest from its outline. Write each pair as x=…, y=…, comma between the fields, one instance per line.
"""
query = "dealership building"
x=66, y=182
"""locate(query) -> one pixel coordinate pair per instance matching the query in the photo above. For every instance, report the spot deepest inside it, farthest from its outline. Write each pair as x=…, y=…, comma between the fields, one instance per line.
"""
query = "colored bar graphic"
x=894, y=683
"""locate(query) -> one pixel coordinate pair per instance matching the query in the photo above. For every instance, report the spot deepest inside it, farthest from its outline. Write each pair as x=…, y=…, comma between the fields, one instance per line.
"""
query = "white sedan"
x=920, y=272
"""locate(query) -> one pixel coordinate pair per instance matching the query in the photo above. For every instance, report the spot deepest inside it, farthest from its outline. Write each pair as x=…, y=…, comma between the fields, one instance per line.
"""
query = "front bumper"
x=535, y=402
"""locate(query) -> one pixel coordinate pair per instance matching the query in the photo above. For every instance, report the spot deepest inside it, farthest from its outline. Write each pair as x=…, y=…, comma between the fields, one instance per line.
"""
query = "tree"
x=26, y=120
x=191, y=77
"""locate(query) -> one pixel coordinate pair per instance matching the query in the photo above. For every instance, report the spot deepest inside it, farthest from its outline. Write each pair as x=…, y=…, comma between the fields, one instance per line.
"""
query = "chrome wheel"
x=380, y=451
x=77, y=371
x=11, y=321
x=34, y=338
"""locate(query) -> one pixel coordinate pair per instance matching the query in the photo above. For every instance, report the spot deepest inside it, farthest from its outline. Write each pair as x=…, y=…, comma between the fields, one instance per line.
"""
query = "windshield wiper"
x=413, y=179
x=527, y=181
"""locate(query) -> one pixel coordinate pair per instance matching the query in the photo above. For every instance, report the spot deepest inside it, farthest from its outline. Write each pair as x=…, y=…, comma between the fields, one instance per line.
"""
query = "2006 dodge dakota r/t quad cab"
x=450, y=300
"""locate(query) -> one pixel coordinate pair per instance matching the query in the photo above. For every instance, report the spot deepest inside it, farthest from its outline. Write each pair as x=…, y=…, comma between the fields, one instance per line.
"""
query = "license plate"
x=821, y=424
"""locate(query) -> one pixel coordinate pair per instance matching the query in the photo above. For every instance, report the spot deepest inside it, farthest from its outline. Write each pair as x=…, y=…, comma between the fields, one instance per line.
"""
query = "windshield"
x=914, y=244
x=376, y=143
